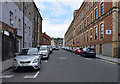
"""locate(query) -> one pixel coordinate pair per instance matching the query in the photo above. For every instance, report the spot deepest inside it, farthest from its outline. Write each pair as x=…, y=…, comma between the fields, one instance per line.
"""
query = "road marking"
x=108, y=62
x=62, y=58
x=6, y=76
x=44, y=61
x=88, y=59
x=32, y=76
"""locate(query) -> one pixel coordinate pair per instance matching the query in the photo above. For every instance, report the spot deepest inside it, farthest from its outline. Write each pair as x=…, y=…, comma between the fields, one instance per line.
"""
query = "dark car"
x=89, y=52
x=78, y=50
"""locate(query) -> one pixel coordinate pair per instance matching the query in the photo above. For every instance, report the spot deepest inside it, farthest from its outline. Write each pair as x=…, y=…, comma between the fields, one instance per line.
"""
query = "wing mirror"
x=16, y=54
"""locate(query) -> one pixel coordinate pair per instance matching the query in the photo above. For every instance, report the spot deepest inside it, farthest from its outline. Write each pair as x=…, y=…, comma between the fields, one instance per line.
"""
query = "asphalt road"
x=64, y=66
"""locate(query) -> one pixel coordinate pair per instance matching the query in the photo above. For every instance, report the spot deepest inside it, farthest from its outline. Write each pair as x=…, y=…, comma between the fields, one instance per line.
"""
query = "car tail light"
x=95, y=51
x=86, y=50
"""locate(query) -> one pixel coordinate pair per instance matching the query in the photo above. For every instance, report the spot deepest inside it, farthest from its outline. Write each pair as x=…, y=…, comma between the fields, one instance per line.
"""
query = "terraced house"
x=96, y=24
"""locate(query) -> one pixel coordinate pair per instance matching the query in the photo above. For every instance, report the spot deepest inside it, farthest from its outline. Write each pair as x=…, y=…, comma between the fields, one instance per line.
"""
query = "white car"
x=27, y=57
x=44, y=52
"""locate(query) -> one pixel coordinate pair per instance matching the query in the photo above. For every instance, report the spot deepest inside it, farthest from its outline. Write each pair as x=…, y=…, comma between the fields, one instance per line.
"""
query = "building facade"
x=97, y=25
x=21, y=26
x=46, y=40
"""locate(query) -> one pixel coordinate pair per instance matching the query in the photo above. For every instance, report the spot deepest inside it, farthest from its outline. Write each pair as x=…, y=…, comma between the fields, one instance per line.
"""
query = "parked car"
x=27, y=57
x=78, y=50
x=50, y=48
x=73, y=50
x=44, y=51
x=53, y=46
x=89, y=52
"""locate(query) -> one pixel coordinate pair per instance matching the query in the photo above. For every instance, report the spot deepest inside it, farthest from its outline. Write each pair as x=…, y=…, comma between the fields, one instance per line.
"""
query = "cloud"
x=57, y=15
x=56, y=30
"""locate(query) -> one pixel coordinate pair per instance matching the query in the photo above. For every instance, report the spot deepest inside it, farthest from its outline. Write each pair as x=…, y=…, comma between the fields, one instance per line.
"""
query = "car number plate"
x=91, y=52
x=25, y=64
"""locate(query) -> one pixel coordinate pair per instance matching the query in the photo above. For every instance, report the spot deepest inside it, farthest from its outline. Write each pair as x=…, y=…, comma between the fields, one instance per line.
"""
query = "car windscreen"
x=43, y=48
x=91, y=49
x=28, y=52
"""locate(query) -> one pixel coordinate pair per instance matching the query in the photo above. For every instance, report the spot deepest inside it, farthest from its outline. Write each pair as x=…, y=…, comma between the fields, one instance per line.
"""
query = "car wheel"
x=84, y=55
x=15, y=69
x=47, y=58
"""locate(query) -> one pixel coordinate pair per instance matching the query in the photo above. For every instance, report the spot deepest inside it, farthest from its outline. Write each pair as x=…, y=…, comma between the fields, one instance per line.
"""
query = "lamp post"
x=117, y=30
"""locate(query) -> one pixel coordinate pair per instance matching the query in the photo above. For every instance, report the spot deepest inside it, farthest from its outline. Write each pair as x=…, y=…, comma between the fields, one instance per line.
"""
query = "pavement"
x=116, y=60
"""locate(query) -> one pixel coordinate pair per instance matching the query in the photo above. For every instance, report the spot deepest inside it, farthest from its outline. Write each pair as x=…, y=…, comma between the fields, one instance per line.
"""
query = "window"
x=91, y=3
x=101, y=31
x=84, y=10
x=88, y=7
x=91, y=35
x=19, y=24
x=80, y=27
x=96, y=1
x=11, y=18
x=102, y=8
x=84, y=37
x=82, y=14
x=87, y=36
x=95, y=33
x=84, y=23
x=100, y=49
x=91, y=17
x=87, y=21
x=96, y=13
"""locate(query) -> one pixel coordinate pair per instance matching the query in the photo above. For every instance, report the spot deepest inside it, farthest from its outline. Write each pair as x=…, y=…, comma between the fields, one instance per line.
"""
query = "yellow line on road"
x=108, y=62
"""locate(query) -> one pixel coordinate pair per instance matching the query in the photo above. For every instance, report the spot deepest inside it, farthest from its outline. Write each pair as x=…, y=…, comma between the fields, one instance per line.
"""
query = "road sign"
x=108, y=32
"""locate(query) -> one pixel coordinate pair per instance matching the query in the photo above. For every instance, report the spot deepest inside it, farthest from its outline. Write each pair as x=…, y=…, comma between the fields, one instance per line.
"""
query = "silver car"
x=44, y=51
x=27, y=57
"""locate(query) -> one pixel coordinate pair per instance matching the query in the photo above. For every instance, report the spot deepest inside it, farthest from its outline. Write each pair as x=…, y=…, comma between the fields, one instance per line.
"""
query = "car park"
x=44, y=51
x=89, y=52
x=27, y=57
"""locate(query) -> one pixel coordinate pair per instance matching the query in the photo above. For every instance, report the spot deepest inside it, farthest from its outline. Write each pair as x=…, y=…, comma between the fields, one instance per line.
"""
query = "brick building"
x=46, y=40
x=95, y=24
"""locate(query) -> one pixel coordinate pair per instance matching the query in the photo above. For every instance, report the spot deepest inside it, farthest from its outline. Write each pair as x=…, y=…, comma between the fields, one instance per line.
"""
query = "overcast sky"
x=57, y=15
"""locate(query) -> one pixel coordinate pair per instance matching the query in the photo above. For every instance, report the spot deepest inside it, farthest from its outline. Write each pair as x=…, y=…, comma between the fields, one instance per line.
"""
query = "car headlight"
x=35, y=60
x=14, y=61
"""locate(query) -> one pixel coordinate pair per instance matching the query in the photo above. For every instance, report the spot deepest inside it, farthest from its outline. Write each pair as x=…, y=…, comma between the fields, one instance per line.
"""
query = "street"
x=64, y=66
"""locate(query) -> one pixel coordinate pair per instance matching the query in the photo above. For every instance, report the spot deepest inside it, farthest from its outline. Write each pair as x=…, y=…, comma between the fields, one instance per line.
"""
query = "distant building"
x=52, y=41
x=58, y=42
x=46, y=40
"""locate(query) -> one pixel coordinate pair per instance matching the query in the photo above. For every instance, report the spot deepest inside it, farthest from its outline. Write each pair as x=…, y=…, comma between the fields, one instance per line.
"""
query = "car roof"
x=29, y=48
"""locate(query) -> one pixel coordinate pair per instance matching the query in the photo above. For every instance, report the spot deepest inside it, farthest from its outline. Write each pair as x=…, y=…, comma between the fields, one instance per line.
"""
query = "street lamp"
x=117, y=30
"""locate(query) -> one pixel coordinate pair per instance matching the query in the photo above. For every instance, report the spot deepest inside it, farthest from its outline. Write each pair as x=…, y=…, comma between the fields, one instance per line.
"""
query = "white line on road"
x=32, y=76
x=36, y=74
x=62, y=58
x=44, y=61
x=6, y=76
x=88, y=59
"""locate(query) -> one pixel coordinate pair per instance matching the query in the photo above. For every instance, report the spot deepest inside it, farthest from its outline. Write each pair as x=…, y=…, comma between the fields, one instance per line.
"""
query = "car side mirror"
x=16, y=54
